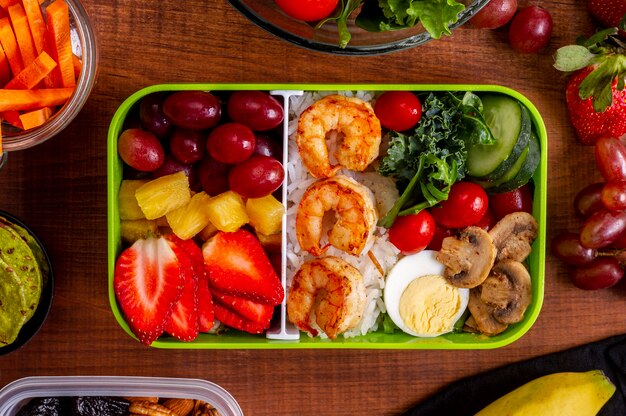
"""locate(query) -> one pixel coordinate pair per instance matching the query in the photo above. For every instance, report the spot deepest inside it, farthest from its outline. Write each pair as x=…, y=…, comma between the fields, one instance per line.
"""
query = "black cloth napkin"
x=468, y=396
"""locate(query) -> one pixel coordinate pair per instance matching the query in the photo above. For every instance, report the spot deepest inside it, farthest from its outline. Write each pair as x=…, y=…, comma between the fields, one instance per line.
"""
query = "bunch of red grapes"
x=598, y=251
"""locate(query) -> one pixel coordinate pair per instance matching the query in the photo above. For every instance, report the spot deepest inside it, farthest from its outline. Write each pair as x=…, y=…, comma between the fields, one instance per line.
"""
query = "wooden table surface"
x=58, y=188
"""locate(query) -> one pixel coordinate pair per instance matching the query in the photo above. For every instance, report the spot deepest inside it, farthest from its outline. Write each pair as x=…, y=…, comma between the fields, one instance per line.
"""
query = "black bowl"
x=35, y=323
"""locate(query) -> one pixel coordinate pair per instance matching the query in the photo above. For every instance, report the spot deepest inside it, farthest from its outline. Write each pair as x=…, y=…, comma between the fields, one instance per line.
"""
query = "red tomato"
x=412, y=233
x=441, y=232
x=520, y=199
x=307, y=10
x=487, y=221
x=398, y=110
x=465, y=206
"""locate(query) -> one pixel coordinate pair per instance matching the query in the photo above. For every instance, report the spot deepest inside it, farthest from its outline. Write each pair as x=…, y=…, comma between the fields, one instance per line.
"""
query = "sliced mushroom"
x=513, y=236
x=508, y=291
x=468, y=257
x=483, y=314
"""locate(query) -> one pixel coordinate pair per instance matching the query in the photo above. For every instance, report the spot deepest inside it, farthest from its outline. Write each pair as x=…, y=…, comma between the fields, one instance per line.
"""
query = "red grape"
x=601, y=273
x=588, y=200
x=256, y=177
x=197, y=110
x=171, y=165
x=530, y=30
x=267, y=146
x=152, y=117
x=441, y=232
x=567, y=247
x=602, y=228
x=256, y=109
x=495, y=14
x=487, y=221
x=140, y=150
x=188, y=146
x=614, y=195
x=231, y=143
x=213, y=176
x=610, y=156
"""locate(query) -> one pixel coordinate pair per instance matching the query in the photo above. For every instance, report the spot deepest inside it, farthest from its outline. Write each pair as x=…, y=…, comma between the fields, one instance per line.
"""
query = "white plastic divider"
x=284, y=330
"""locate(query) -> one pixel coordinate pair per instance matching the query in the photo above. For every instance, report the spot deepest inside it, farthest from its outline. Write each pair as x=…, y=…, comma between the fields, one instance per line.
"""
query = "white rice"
x=385, y=194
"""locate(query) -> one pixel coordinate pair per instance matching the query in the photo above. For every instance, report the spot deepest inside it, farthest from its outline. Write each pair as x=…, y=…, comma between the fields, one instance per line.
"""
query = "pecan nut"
x=182, y=407
x=150, y=409
x=204, y=409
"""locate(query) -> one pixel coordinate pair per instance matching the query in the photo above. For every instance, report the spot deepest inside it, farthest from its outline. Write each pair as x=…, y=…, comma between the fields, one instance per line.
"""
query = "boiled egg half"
x=419, y=300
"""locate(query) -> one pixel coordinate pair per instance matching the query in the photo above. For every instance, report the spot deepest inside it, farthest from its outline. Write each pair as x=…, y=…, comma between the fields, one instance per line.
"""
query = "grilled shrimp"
x=355, y=215
x=333, y=290
x=358, y=140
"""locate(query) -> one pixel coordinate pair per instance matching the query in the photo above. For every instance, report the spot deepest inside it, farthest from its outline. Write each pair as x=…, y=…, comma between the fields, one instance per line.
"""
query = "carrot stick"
x=33, y=99
x=35, y=118
x=33, y=73
x=37, y=24
x=6, y=3
x=78, y=65
x=5, y=71
x=13, y=118
x=22, y=33
x=9, y=44
x=57, y=17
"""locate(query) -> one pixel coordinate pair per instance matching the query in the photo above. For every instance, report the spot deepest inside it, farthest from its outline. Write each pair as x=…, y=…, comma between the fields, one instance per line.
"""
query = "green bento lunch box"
x=233, y=339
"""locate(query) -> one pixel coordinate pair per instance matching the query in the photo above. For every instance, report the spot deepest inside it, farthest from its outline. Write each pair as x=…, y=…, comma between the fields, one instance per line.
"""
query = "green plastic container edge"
x=235, y=340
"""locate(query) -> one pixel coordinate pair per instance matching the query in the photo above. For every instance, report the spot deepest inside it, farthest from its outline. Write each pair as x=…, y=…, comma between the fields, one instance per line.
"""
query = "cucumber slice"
x=526, y=171
x=510, y=125
x=508, y=175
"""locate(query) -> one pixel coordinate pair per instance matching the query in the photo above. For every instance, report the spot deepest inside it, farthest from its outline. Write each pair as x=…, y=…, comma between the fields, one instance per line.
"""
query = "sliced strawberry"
x=183, y=322
x=254, y=311
x=234, y=320
x=147, y=283
x=206, y=314
x=238, y=265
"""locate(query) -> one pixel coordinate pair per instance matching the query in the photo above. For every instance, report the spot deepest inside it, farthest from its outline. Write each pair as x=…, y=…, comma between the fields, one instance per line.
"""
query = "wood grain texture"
x=58, y=188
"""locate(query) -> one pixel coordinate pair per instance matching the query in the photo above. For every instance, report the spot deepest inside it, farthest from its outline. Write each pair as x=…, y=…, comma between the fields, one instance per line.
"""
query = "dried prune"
x=45, y=406
x=99, y=406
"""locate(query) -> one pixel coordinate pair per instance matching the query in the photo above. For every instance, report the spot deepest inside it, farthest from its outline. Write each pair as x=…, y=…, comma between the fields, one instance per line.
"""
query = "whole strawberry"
x=608, y=12
x=595, y=93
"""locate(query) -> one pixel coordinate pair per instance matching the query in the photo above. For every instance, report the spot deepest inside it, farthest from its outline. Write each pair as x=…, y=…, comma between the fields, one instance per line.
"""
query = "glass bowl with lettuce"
x=360, y=27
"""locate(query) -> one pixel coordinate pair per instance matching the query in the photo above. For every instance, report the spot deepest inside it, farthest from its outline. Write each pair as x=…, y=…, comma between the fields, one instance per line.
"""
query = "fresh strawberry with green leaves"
x=183, y=322
x=238, y=266
x=147, y=282
x=595, y=94
x=609, y=13
x=206, y=314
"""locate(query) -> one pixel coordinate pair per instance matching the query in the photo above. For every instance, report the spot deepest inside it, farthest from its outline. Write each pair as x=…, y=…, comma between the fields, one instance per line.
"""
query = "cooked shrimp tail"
x=359, y=135
x=328, y=293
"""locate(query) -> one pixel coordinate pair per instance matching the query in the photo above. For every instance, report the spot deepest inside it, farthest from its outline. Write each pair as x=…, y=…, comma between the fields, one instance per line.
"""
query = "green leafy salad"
x=429, y=160
x=382, y=15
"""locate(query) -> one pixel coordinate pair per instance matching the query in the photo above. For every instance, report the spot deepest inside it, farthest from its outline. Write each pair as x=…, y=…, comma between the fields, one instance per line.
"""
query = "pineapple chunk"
x=127, y=203
x=133, y=230
x=271, y=243
x=227, y=211
x=207, y=232
x=266, y=214
x=162, y=195
x=190, y=219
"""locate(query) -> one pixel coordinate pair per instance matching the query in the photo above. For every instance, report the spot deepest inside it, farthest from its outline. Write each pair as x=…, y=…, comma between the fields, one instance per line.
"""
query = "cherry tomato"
x=441, y=232
x=307, y=10
x=520, y=199
x=487, y=221
x=412, y=233
x=465, y=206
x=398, y=110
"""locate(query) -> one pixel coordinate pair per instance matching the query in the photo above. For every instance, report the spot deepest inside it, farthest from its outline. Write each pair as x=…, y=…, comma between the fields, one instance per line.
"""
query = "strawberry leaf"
x=573, y=57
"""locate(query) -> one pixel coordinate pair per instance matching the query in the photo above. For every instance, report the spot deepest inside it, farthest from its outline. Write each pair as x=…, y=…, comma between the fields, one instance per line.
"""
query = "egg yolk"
x=429, y=305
